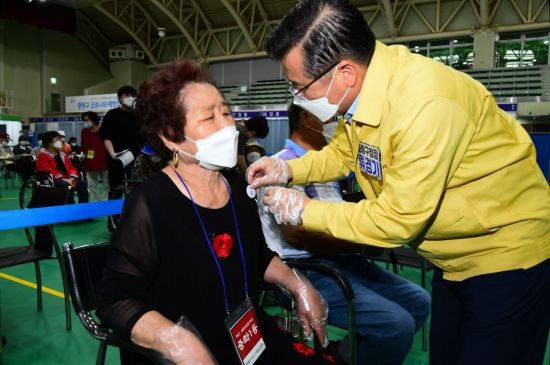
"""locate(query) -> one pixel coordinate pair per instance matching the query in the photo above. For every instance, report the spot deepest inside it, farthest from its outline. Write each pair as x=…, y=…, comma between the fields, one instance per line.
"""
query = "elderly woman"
x=190, y=242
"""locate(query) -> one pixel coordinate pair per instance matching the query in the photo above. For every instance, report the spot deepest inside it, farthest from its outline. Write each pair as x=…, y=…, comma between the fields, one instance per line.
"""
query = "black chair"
x=84, y=266
x=38, y=249
x=344, y=285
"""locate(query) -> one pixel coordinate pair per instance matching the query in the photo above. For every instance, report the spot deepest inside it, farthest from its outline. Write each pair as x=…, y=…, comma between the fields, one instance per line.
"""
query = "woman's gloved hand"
x=286, y=205
x=312, y=308
x=268, y=171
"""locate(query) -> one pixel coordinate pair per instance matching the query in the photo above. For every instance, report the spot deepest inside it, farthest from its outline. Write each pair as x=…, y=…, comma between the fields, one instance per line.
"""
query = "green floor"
x=40, y=337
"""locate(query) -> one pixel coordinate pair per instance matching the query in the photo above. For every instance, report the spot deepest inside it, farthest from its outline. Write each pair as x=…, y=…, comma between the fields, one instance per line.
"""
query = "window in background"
x=522, y=50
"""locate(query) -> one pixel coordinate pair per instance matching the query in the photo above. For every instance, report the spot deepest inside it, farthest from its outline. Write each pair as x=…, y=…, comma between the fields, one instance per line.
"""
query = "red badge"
x=246, y=336
x=222, y=244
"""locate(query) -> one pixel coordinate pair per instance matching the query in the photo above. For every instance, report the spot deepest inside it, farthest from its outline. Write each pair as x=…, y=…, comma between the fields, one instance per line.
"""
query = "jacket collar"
x=375, y=86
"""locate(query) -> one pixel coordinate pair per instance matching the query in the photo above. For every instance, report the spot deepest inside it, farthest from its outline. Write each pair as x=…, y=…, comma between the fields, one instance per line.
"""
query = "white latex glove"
x=268, y=171
x=286, y=205
x=312, y=309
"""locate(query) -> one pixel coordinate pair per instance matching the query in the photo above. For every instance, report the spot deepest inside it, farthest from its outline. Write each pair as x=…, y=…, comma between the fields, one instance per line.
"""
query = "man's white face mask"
x=321, y=108
x=129, y=101
x=218, y=150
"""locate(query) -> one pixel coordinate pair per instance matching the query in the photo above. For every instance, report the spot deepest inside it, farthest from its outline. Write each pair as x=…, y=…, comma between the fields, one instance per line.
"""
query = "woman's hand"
x=268, y=171
x=286, y=205
x=312, y=309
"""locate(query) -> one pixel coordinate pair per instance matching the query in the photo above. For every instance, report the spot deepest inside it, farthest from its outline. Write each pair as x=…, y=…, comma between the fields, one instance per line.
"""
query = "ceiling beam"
x=161, y=5
x=240, y=23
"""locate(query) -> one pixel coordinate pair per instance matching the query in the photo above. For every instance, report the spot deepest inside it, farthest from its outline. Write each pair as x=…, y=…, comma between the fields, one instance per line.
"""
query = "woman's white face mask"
x=218, y=150
x=58, y=145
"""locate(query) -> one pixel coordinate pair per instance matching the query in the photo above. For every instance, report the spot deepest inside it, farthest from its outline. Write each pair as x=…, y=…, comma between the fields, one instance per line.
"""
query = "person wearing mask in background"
x=255, y=127
x=388, y=309
x=66, y=148
x=51, y=159
x=120, y=133
x=443, y=168
x=254, y=151
x=95, y=157
x=75, y=148
x=12, y=162
x=146, y=164
x=23, y=147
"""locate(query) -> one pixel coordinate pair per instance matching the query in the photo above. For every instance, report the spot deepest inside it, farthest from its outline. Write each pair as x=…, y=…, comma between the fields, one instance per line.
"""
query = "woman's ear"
x=169, y=144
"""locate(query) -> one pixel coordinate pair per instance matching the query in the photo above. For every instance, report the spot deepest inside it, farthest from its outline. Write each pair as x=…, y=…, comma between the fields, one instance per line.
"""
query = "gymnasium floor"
x=40, y=337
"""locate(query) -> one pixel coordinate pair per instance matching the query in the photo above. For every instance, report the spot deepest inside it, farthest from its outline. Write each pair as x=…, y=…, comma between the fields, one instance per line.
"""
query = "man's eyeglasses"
x=294, y=90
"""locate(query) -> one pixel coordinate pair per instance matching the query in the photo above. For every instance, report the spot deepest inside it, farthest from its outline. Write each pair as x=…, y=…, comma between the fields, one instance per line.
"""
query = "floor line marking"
x=31, y=285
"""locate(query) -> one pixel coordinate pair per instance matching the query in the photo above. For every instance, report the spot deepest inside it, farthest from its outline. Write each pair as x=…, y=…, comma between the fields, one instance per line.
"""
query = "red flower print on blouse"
x=222, y=244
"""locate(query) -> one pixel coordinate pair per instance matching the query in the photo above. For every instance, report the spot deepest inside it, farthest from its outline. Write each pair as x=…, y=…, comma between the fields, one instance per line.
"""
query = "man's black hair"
x=126, y=90
x=48, y=137
x=294, y=113
x=72, y=139
x=259, y=125
x=327, y=30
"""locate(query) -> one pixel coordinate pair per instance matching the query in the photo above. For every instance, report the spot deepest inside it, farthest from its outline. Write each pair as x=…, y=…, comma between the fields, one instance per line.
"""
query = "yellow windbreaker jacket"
x=443, y=168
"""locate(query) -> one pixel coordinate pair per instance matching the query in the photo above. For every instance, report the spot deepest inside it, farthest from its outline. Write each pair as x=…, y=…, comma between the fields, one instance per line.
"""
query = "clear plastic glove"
x=312, y=309
x=268, y=171
x=286, y=205
x=184, y=347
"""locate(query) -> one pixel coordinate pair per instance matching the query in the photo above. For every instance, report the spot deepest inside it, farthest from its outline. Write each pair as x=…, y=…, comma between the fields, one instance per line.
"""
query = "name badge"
x=245, y=332
x=370, y=160
x=90, y=154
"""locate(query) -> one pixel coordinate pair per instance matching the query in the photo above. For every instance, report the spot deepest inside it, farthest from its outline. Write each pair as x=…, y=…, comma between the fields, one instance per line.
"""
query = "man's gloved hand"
x=286, y=205
x=268, y=171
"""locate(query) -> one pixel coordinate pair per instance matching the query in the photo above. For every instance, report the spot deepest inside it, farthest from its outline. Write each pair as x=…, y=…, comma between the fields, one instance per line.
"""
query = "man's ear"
x=350, y=71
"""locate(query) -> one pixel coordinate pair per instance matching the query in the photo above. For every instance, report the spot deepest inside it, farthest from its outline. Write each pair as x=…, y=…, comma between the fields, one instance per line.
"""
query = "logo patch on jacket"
x=370, y=160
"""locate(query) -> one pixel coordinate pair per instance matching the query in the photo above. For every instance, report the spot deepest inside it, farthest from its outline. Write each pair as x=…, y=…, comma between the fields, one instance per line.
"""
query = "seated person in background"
x=95, y=157
x=52, y=160
x=23, y=147
x=76, y=155
x=146, y=164
x=75, y=148
x=255, y=127
x=254, y=151
x=189, y=242
x=389, y=309
x=11, y=161
x=65, y=147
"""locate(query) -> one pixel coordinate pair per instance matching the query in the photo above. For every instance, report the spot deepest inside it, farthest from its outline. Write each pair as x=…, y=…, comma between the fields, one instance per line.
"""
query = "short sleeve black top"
x=121, y=129
x=161, y=262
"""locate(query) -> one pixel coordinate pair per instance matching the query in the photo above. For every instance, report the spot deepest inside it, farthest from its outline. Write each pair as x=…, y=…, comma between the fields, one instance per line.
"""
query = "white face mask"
x=129, y=101
x=321, y=108
x=217, y=151
x=88, y=124
x=329, y=129
x=253, y=157
x=58, y=145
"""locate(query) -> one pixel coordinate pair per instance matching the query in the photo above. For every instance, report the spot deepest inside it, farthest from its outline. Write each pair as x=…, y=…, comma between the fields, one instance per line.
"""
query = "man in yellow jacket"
x=443, y=169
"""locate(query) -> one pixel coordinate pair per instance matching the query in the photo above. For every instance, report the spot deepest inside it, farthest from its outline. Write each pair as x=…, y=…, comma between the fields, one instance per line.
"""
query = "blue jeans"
x=389, y=309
